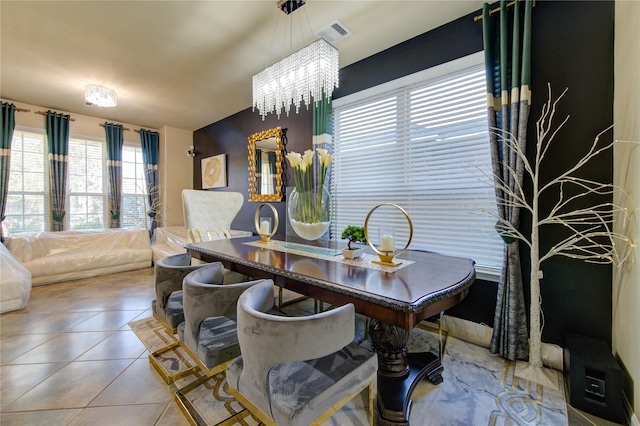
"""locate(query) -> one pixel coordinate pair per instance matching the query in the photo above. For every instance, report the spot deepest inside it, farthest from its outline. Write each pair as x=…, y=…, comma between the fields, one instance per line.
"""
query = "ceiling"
x=183, y=64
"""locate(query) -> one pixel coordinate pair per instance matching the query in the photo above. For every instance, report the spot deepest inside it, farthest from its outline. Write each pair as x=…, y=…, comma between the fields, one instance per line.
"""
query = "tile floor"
x=70, y=358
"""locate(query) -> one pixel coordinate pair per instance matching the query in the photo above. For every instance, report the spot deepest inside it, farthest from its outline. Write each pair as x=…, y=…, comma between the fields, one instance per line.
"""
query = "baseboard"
x=627, y=393
x=631, y=416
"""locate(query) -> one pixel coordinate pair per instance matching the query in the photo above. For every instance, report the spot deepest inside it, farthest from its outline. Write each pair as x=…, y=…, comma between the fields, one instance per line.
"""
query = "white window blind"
x=86, y=196
x=422, y=144
x=27, y=208
x=134, y=190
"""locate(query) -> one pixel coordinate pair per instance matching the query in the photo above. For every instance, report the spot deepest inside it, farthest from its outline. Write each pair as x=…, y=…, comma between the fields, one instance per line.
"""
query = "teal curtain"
x=322, y=128
x=507, y=46
x=271, y=158
x=150, y=147
x=259, y=176
x=58, y=141
x=114, y=165
x=8, y=125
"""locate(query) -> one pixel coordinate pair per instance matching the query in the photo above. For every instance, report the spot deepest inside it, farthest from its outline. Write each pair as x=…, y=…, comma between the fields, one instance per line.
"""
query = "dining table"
x=395, y=298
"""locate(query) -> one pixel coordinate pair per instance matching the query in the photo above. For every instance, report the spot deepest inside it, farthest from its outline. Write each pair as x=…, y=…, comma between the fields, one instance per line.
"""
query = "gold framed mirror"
x=265, y=165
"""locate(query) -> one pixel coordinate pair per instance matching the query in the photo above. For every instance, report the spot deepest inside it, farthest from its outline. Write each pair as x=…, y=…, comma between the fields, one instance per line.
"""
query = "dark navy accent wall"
x=572, y=47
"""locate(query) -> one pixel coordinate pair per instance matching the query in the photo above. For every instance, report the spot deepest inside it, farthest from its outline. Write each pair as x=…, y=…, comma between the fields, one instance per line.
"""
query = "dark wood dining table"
x=395, y=300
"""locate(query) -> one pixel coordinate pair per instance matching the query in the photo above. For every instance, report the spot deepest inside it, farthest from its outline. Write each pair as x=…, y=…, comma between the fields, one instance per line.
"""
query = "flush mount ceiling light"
x=100, y=96
x=300, y=76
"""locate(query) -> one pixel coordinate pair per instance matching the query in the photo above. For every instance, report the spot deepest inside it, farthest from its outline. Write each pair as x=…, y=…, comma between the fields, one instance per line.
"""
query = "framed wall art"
x=214, y=171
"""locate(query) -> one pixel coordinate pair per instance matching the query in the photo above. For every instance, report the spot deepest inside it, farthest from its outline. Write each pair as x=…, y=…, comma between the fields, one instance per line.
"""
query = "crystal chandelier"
x=305, y=74
x=100, y=96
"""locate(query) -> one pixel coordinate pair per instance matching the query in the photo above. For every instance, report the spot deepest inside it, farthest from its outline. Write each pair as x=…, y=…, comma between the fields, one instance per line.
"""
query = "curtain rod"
x=124, y=128
x=44, y=113
x=497, y=9
x=22, y=110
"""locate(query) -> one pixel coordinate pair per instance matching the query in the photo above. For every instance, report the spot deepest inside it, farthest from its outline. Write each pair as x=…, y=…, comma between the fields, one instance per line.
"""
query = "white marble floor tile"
x=16, y=380
x=73, y=386
x=138, y=384
x=104, y=321
x=120, y=415
x=12, y=347
x=65, y=347
x=121, y=344
x=44, y=417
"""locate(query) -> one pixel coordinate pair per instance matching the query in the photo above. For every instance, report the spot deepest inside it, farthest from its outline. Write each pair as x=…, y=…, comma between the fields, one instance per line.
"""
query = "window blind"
x=86, y=186
x=134, y=190
x=424, y=146
x=26, y=209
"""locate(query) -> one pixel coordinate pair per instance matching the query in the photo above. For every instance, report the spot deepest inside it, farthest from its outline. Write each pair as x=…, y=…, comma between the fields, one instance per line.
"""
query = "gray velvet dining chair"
x=168, y=307
x=208, y=332
x=169, y=273
x=298, y=370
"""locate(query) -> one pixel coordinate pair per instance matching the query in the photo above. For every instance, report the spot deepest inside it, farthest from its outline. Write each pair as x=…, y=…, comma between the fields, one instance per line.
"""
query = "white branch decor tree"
x=590, y=229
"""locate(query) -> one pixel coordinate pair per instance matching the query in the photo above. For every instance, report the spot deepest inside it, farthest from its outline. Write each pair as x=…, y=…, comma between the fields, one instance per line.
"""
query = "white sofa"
x=170, y=240
x=70, y=255
x=15, y=282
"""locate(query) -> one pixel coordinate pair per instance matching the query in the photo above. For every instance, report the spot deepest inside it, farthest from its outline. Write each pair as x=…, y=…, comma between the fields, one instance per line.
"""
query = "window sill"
x=487, y=274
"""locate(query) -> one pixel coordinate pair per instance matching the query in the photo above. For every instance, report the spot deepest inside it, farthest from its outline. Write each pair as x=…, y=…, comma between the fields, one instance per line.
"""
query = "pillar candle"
x=386, y=243
x=264, y=227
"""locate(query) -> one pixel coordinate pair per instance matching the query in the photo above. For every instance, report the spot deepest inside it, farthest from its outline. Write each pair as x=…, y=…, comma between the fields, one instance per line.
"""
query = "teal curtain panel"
x=507, y=46
x=150, y=147
x=114, y=165
x=58, y=142
x=8, y=125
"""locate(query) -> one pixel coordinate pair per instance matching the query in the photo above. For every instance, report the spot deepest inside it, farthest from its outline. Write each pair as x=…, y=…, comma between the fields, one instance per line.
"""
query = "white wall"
x=626, y=280
x=175, y=168
x=177, y=172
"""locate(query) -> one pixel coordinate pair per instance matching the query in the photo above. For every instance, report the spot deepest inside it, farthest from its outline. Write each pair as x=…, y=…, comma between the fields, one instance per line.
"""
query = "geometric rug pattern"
x=478, y=388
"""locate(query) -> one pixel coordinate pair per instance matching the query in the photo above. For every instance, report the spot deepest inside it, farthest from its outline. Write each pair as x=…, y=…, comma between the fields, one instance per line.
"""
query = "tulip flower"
x=309, y=194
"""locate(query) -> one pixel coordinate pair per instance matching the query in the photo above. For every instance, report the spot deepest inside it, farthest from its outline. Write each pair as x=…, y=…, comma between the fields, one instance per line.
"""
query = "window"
x=134, y=190
x=421, y=142
x=27, y=204
x=86, y=195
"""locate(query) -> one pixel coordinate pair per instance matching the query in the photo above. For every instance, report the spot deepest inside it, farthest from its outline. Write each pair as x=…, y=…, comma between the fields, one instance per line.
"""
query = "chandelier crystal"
x=305, y=74
x=100, y=96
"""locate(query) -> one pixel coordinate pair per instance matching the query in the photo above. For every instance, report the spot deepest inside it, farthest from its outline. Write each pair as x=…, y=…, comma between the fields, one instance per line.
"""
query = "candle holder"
x=386, y=249
x=263, y=223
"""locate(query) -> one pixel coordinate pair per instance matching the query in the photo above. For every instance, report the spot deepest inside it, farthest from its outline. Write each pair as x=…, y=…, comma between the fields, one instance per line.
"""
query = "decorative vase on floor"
x=309, y=212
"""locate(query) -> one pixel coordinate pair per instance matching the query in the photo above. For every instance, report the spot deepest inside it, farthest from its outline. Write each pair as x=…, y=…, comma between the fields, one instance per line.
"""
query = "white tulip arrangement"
x=310, y=194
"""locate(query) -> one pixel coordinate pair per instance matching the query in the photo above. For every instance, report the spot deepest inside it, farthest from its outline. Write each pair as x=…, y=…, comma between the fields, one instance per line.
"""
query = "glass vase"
x=309, y=212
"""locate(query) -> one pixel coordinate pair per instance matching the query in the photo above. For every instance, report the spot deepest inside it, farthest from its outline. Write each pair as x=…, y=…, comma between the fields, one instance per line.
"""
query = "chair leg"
x=183, y=402
x=253, y=409
x=370, y=385
x=373, y=400
x=282, y=303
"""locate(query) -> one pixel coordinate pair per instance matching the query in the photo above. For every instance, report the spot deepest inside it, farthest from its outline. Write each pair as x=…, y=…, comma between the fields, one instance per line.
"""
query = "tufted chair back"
x=208, y=214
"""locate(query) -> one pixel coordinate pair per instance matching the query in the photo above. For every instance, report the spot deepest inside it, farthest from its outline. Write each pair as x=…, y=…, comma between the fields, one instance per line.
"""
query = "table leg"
x=399, y=372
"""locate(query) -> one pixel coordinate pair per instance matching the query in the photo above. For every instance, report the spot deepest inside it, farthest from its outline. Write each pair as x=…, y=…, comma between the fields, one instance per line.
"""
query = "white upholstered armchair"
x=208, y=216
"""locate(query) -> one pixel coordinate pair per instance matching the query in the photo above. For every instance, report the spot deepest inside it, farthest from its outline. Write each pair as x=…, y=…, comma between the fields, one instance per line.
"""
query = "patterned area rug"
x=478, y=388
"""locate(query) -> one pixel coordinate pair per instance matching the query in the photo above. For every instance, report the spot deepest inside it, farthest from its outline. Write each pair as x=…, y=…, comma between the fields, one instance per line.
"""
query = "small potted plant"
x=354, y=234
